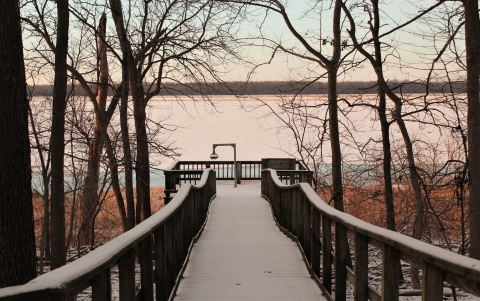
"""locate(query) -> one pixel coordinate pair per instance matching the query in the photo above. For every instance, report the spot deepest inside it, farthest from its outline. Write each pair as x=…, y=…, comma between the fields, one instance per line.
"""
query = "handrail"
x=165, y=238
x=305, y=216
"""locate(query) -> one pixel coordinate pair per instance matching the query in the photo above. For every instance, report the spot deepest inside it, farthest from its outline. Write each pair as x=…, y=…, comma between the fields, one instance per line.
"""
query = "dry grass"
x=443, y=218
x=108, y=223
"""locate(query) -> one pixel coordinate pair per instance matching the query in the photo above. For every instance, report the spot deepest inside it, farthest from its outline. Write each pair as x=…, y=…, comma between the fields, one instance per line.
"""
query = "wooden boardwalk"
x=242, y=255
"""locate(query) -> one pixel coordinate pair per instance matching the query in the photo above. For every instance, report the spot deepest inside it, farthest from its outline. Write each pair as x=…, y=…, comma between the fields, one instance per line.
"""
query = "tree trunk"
x=95, y=149
x=45, y=236
x=112, y=161
x=143, y=209
x=385, y=126
x=387, y=153
x=127, y=62
x=17, y=243
x=143, y=164
x=57, y=137
x=333, y=111
x=387, y=161
x=127, y=152
x=472, y=41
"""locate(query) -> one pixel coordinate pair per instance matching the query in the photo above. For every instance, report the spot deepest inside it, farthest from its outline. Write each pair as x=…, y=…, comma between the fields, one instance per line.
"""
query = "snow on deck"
x=242, y=255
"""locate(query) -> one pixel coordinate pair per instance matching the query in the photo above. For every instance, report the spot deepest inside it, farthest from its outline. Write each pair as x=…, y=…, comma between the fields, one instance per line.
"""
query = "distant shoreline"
x=273, y=88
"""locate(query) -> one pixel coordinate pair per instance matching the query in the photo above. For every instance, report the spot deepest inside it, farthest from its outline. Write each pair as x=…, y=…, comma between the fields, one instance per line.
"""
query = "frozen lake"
x=225, y=119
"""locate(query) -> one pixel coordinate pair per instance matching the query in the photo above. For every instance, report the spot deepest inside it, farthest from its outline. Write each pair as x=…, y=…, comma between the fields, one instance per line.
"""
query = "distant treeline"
x=275, y=88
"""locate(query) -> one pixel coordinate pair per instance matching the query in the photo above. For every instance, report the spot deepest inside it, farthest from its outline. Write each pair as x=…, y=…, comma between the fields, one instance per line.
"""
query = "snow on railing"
x=166, y=239
x=304, y=216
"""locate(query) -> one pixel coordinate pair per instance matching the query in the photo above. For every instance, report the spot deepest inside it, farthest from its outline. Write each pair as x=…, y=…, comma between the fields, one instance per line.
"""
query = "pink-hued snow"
x=242, y=255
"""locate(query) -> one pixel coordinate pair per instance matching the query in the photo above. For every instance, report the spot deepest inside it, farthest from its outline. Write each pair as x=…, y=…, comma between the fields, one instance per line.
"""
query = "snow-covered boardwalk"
x=242, y=255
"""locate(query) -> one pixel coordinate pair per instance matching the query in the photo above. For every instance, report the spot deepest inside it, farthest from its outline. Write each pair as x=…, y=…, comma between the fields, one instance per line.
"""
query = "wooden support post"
x=169, y=255
x=238, y=170
x=101, y=286
x=295, y=203
x=288, y=211
x=170, y=186
x=146, y=263
x=160, y=264
x=188, y=223
x=390, y=273
x=307, y=216
x=316, y=257
x=283, y=207
x=178, y=236
x=361, y=267
x=310, y=178
x=341, y=243
x=301, y=220
x=432, y=283
x=196, y=212
x=327, y=253
x=126, y=269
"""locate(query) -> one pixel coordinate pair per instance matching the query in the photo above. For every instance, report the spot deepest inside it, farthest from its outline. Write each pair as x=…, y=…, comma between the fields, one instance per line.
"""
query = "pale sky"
x=410, y=57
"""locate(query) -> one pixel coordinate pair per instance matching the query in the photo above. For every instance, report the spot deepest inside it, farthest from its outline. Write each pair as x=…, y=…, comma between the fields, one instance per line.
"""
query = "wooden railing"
x=188, y=171
x=246, y=170
x=164, y=240
x=301, y=214
x=295, y=176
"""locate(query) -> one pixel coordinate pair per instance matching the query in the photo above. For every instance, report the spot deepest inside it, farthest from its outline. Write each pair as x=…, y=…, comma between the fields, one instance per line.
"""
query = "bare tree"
x=472, y=42
x=17, y=236
x=39, y=129
x=57, y=137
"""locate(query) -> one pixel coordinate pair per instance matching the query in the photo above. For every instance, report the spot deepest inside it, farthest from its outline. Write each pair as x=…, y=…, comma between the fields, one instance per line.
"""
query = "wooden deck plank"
x=242, y=255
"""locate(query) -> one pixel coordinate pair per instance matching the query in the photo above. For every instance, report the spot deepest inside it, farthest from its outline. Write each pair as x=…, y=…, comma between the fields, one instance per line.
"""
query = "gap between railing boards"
x=305, y=217
x=166, y=239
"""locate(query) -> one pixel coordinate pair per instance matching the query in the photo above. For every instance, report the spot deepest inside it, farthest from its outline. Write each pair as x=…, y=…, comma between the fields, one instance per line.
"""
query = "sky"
x=408, y=60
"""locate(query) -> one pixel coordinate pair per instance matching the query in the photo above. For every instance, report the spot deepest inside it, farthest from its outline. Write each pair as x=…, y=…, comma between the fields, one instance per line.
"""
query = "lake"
x=224, y=119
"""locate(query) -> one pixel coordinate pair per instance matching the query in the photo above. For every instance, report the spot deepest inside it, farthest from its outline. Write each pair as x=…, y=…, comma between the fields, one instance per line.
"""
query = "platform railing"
x=165, y=240
x=306, y=218
x=188, y=172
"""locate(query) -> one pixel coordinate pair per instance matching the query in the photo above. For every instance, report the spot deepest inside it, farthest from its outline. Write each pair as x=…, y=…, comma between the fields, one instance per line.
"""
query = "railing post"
x=178, y=236
x=308, y=229
x=390, y=273
x=170, y=186
x=327, y=253
x=288, y=211
x=146, y=265
x=283, y=205
x=238, y=170
x=295, y=206
x=432, y=283
x=341, y=243
x=187, y=222
x=301, y=220
x=361, y=267
x=101, y=286
x=169, y=255
x=316, y=257
x=160, y=264
x=126, y=269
